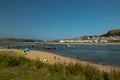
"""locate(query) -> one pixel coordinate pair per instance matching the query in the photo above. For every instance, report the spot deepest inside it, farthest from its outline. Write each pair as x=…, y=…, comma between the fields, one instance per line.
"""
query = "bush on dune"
x=11, y=59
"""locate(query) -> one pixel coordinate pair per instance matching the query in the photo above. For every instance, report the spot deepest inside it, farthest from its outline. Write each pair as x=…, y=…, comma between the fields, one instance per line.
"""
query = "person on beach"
x=26, y=51
x=45, y=60
x=21, y=52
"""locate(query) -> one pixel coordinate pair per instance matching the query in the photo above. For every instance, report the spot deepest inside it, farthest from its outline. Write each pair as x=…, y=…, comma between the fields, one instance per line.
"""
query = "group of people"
x=24, y=51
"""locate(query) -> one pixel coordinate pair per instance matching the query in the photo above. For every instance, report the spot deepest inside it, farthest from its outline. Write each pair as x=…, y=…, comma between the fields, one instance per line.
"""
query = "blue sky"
x=57, y=19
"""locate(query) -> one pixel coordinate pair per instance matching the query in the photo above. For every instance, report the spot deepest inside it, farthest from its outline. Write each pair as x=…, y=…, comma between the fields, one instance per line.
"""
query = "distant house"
x=103, y=41
x=61, y=41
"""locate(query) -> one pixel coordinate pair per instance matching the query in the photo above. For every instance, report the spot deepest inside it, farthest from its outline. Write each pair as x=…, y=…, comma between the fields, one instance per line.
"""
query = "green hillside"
x=115, y=32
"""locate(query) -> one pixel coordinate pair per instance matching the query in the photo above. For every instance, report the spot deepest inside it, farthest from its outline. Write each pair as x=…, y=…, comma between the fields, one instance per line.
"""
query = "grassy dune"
x=16, y=67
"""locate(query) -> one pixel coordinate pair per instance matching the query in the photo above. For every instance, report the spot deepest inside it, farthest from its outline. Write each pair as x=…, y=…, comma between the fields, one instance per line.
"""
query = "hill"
x=115, y=32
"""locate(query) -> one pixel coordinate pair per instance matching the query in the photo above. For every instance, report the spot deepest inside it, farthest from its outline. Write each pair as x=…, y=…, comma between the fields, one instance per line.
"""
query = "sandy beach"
x=53, y=58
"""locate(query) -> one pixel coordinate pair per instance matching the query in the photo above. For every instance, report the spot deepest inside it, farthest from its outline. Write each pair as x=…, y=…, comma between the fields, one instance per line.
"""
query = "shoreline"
x=52, y=58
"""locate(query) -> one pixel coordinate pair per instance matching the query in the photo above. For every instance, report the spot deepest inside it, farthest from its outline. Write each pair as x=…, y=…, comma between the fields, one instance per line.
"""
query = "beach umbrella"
x=26, y=49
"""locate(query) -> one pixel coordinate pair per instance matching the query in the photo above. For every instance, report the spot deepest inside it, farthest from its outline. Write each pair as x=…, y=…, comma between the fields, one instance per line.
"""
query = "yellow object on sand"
x=22, y=52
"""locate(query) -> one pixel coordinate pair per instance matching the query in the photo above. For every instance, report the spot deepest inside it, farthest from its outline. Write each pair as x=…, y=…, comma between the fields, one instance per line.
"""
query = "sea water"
x=101, y=54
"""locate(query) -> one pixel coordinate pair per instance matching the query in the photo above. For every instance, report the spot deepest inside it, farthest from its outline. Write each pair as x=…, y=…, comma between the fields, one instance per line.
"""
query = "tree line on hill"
x=115, y=32
x=18, y=40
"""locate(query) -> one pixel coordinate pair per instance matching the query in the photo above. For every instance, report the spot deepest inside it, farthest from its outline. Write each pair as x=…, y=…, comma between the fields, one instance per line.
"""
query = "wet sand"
x=53, y=58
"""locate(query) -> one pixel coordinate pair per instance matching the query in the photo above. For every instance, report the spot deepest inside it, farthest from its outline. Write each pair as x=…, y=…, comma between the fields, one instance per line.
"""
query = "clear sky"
x=57, y=19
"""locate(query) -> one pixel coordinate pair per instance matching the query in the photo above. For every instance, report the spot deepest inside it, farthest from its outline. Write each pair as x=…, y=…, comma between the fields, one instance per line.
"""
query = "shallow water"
x=101, y=54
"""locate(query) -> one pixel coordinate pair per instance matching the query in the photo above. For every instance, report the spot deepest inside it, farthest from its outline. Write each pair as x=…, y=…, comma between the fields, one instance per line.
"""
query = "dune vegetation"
x=16, y=67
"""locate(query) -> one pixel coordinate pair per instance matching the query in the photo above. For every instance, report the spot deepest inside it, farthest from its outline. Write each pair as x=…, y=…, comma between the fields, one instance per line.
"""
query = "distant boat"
x=49, y=47
x=68, y=45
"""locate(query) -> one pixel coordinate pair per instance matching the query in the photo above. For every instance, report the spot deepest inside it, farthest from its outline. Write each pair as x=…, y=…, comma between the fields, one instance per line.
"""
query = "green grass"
x=16, y=67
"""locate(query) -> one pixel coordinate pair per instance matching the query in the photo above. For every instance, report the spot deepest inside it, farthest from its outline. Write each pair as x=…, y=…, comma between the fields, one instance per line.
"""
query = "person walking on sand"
x=45, y=60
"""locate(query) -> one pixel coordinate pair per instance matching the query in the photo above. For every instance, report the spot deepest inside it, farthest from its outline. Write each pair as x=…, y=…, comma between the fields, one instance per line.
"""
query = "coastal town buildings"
x=94, y=39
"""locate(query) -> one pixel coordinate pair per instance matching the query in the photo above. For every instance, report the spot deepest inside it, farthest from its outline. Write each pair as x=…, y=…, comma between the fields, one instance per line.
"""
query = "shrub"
x=56, y=68
x=74, y=69
x=12, y=61
x=38, y=64
x=106, y=76
x=114, y=75
x=91, y=73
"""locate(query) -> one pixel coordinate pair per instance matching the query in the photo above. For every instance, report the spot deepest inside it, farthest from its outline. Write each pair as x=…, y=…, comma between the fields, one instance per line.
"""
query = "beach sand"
x=53, y=58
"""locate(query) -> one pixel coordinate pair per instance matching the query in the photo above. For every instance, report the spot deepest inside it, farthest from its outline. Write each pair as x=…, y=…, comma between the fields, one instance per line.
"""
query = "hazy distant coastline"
x=111, y=37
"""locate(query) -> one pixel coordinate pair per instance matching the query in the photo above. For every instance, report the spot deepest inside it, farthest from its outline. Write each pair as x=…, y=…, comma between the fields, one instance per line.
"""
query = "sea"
x=100, y=54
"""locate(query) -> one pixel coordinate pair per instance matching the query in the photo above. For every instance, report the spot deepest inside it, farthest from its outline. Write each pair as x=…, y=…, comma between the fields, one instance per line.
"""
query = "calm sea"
x=101, y=54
